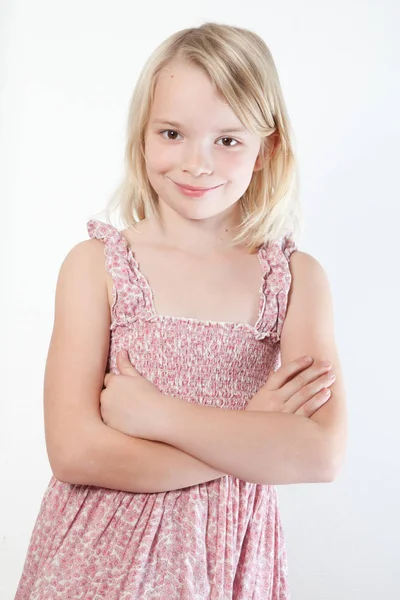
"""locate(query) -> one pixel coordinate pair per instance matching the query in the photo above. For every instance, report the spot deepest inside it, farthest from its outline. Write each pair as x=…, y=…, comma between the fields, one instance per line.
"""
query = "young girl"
x=177, y=389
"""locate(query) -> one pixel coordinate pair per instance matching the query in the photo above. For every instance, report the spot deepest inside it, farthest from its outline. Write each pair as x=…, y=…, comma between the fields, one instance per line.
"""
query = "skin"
x=189, y=253
x=197, y=154
x=137, y=440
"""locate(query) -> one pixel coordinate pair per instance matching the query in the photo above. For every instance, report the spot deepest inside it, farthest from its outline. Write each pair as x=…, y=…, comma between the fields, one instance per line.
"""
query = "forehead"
x=184, y=92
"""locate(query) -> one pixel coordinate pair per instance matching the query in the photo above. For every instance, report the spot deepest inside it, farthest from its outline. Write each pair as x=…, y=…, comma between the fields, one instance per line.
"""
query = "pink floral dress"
x=218, y=540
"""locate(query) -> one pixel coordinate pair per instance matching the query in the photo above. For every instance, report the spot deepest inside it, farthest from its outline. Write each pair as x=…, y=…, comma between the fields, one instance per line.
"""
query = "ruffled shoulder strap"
x=274, y=257
x=130, y=295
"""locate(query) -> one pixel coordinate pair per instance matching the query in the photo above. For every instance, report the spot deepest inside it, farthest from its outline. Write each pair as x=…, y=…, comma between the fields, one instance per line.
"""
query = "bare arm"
x=260, y=447
x=309, y=330
x=120, y=462
x=81, y=448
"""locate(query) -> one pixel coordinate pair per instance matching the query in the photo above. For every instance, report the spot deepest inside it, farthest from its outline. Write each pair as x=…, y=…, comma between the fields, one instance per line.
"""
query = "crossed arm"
x=201, y=443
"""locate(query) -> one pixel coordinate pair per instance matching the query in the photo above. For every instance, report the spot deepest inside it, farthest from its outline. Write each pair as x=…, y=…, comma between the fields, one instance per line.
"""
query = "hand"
x=131, y=404
x=298, y=387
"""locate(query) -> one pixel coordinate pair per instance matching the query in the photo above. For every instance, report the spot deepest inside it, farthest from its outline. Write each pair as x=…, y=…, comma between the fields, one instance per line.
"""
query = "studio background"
x=67, y=72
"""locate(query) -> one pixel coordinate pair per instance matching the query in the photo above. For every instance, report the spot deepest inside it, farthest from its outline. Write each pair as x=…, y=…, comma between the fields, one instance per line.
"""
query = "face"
x=193, y=138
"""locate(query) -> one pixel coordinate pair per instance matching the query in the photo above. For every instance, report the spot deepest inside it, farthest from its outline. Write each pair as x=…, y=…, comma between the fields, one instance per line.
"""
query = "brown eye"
x=229, y=139
x=171, y=134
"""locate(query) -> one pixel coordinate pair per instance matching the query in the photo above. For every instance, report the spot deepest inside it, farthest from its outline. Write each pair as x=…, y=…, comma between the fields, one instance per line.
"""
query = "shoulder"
x=307, y=272
x=87, y=253
x=84, y=264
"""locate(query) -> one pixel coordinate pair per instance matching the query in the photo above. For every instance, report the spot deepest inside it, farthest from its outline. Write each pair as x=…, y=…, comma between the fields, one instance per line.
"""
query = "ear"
x=258, y=165
x=269, y=145
x=262, y=154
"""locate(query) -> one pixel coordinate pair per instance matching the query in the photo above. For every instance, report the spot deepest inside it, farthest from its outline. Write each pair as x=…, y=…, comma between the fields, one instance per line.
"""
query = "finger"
x=125, y=367
x=107, y=379
x=286, y=372
x=309, y=399
x=310, y=407
x=308, y=383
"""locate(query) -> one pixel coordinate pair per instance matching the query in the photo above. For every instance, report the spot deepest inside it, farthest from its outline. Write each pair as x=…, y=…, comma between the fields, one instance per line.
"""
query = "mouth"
x=195, y=192
x=197, y=189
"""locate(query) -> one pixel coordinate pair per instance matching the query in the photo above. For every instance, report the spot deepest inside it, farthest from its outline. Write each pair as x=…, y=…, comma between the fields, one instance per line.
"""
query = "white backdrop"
x=67, y=71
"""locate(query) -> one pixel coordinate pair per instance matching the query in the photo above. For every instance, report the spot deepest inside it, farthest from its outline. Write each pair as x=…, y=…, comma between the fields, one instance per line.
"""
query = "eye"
x=168, y=131
x=229, y=139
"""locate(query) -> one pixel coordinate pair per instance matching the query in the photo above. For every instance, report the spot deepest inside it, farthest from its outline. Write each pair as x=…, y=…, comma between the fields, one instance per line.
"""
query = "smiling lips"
x=196, y=192
x=190, y=187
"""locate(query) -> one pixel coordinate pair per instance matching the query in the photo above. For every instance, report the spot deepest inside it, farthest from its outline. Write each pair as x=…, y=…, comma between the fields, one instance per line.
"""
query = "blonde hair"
x=240, y=65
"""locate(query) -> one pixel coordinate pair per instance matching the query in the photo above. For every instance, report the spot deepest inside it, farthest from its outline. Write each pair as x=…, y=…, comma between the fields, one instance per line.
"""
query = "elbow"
x=332, y=465
x=332, y=447
x=75, y=459
x=329, y=473
x=73, y=468
x=65, y=472
x=58, y=465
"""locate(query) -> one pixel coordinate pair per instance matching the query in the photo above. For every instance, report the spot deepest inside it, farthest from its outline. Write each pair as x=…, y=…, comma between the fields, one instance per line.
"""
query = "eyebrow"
x=234, y=129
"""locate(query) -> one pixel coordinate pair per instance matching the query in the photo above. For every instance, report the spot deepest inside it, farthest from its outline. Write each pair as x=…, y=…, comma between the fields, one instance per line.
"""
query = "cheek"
x=158, y=164
x=236, y=165
x=159, y=159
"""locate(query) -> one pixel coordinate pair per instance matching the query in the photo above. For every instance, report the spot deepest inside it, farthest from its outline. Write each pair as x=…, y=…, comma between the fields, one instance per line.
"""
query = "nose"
x=196, y=160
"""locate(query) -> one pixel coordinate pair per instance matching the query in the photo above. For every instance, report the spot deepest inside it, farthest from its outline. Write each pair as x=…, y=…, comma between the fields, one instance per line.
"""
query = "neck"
x=196, y=235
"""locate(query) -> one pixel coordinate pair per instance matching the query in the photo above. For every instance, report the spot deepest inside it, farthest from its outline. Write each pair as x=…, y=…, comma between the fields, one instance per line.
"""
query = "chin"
x=197, y=210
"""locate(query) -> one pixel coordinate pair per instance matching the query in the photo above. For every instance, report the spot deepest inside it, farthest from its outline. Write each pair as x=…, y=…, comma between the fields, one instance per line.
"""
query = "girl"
x=177, y=391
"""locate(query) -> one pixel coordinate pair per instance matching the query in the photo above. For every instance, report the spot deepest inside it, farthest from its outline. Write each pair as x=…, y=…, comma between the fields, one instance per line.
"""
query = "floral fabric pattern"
x=219, y=540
